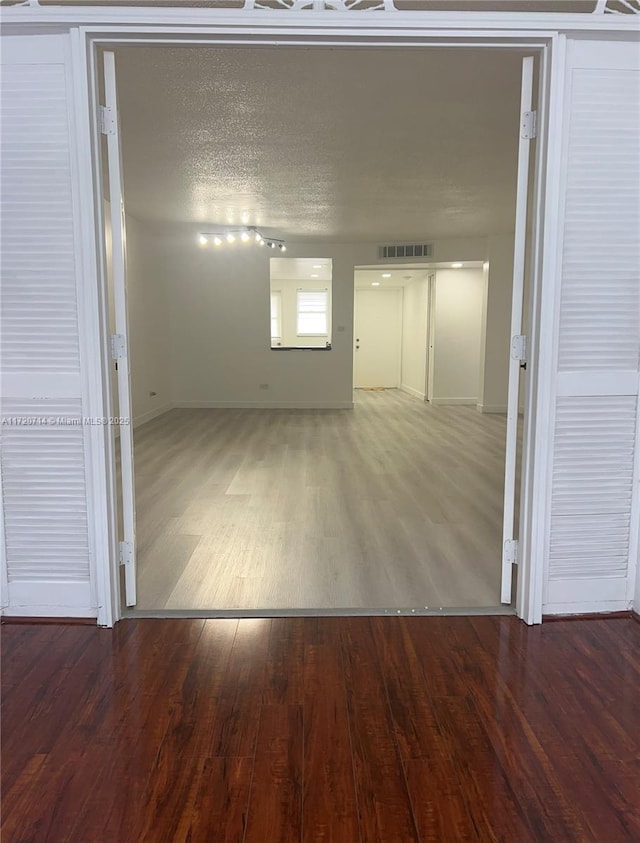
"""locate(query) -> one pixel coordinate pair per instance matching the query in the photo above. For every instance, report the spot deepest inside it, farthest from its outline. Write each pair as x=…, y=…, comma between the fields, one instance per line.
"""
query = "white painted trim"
x=411, y=391
x=92, y=310
x=4, y=577
x=492, y=408
x=566, y=592
x=366, y=22
x=544, y=317
x=444, y=401
x=143, y=418
x=633, y=570
x=266, y=405
x=50, y=599
x=118, y=250
x=586, y=608
x=86, y=305
x=517, y=310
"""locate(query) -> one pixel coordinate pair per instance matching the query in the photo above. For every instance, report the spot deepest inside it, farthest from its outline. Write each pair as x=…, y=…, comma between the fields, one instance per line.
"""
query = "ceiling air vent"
x=406, y=250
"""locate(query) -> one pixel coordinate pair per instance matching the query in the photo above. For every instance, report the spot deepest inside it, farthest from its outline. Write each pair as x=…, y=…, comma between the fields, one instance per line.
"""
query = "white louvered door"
x=46, y=539
x=121, y=336
x=517, y=296
x=594, y=499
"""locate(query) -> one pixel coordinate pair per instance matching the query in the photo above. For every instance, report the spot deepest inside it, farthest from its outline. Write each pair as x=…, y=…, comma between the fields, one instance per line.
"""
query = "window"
x=276, y=315
x=300, y=305
x=312, y=313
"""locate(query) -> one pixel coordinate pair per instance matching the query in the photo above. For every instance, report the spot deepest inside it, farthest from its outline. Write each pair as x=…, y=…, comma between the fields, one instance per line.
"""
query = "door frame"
x=93, y=28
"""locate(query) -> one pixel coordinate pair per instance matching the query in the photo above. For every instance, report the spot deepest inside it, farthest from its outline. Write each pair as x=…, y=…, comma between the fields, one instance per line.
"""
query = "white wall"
x=288, y=289
x=494, y=375
x=219, y=322
x=148, y=304
x=414, y=337
x=458, y=304
x=148, y=307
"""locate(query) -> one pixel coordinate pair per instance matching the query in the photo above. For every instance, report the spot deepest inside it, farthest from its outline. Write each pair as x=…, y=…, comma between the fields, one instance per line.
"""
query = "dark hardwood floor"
x=334, y=729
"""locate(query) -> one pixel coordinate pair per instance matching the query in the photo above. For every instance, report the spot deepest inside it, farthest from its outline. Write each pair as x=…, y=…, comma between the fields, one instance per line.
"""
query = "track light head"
x=230, y=235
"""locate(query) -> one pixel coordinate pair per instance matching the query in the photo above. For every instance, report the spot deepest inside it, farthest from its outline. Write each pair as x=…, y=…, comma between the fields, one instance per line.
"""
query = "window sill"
x=300, y=348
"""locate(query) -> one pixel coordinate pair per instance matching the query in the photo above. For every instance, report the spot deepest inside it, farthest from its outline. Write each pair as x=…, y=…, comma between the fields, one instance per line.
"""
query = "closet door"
x=595, y=512
x=46, y=558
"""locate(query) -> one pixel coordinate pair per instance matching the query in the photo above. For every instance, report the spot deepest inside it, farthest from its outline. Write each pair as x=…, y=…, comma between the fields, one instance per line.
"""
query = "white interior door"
x=120, y=339
x=378, y=338
x=517, y=353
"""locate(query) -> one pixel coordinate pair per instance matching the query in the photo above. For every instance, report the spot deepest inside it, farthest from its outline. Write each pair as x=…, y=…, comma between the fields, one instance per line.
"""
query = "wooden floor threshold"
x=474, y=611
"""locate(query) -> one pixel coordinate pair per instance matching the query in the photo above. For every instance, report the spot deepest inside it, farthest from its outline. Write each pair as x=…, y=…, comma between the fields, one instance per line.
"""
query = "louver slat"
x=593, y=501
x=43, y=459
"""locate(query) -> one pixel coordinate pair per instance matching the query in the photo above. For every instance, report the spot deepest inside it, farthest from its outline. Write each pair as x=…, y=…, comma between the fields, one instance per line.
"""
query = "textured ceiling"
x=319, y=143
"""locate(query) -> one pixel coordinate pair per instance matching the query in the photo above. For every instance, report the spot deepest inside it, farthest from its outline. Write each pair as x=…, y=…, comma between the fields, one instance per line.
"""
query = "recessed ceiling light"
x=375, y=283
x=244, y=236
x=314, y=275
x=230, y=238
x=203, y=240
x=386, y=275
x=456, y=265
x=317, y=266
x=216, y=241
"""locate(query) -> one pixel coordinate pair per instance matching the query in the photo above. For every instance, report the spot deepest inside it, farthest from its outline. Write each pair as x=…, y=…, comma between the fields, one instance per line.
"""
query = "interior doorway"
x=234, y=491
x=378, y=338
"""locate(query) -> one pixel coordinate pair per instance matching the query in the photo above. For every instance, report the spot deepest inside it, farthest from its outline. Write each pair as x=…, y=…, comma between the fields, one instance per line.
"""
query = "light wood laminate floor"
x=394, y=504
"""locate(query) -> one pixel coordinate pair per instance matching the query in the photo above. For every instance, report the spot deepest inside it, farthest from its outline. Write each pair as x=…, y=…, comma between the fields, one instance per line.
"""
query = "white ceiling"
x=318, y=143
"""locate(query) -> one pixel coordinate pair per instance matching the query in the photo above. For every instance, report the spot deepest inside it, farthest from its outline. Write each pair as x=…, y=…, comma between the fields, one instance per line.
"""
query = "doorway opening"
x=258, y=487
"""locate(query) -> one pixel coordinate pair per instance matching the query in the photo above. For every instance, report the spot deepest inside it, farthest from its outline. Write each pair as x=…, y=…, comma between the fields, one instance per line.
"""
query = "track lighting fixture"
x=244, y=234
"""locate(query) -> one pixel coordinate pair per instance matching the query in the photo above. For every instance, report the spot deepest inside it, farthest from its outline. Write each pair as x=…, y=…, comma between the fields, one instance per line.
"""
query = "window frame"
x=327, y=313
x=277, y=296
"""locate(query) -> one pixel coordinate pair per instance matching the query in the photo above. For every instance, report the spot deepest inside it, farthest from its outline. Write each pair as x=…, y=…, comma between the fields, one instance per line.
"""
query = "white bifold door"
x=517, y=352
x=117, y=260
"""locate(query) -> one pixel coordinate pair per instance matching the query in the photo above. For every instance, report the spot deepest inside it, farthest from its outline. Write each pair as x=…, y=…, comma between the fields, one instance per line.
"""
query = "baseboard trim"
x=491, y=408
x=411, y=391
x=138, y=421
x=264, y=405
x=589, y=616
x=445, y=401
x=586, y=609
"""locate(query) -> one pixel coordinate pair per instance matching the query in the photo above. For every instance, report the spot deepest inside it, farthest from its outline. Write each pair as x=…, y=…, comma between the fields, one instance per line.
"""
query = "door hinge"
x=118, y=346
x=510, y=552
x=125, y=552
x=519, y=348
x=529, y=125
x=107, y=120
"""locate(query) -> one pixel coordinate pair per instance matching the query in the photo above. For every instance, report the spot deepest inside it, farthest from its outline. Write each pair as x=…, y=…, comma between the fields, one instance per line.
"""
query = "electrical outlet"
x=264, y=386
